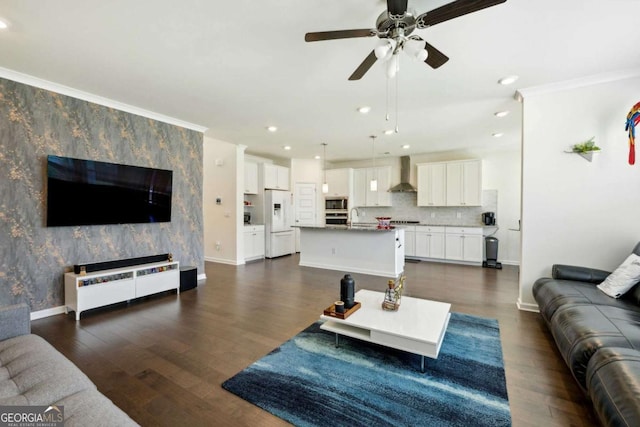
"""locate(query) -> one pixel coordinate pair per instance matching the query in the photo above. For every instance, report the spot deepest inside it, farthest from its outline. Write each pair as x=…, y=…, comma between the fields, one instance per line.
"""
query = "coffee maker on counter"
x=489, y=218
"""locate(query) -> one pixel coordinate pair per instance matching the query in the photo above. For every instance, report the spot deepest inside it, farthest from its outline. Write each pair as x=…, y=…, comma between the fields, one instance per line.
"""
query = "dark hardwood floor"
x=162, y=359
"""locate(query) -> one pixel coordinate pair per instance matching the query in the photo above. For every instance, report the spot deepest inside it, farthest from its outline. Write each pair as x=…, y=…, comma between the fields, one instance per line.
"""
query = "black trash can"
x=188, y=278
x=491, y=253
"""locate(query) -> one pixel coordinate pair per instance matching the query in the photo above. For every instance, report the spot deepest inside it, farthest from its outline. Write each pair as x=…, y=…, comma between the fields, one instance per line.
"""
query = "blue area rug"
x=309, y=382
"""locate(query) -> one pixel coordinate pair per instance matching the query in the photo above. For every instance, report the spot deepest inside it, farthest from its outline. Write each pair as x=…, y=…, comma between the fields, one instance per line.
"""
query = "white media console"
x=100, y=288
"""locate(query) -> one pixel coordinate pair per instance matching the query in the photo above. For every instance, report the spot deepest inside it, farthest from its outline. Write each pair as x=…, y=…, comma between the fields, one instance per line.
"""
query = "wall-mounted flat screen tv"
x=87, y=192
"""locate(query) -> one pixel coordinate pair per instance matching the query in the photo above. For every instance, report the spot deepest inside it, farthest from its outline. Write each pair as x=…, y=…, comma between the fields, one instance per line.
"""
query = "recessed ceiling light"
x=287, y=147
x=272, y=128
x=3, y=25
x=497, y=134
x=388, y=132
x=508, y=80
x=406, y=146
x=501, y=113
x=364, y=110
x=317, y=157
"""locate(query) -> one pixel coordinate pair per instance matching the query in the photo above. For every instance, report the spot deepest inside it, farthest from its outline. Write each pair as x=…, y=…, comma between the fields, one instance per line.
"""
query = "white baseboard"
x=40, y=314
x=223, y=260
x=524, y=306
x=201, y=277
x=351, y=270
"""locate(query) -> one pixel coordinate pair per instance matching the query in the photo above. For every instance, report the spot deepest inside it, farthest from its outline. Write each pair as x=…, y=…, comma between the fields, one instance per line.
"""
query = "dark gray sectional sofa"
x=598, y=337
x=33, y=373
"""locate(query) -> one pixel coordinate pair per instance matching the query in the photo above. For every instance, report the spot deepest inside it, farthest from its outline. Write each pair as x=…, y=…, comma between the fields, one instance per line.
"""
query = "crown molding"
x=86, y=96
x=522, y=94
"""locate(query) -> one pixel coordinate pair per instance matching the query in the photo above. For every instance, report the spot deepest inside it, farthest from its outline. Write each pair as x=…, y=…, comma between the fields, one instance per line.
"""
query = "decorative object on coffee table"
x=332, y=312
x=339, y=305
x=347, y=291
x=393, y=294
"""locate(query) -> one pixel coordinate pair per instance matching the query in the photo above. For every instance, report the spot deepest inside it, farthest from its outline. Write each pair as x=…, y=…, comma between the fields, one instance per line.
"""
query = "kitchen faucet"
x=351, y=217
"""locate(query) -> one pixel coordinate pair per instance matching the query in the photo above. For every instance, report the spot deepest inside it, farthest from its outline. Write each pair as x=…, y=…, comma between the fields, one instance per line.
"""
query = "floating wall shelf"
x=587, y=155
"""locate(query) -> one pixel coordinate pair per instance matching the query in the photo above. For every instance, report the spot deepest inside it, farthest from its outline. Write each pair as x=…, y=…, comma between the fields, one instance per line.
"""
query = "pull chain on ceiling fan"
x=394, y=27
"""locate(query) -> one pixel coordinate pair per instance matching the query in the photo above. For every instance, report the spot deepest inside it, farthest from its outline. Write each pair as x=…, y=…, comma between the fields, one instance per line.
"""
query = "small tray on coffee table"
x=331, y=311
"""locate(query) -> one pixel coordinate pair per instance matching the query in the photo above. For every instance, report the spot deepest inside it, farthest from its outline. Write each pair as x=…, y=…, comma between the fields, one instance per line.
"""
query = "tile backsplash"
x=404, y=207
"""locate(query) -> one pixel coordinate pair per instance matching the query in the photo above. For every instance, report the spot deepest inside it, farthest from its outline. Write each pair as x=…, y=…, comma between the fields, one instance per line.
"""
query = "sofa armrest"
x=580, y=274
x=15, y=320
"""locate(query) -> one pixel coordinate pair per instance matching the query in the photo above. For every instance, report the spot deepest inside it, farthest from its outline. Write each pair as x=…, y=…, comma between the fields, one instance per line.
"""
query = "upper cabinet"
x=340, y=182
x=432, y=184
x=362, y=194
x=464, y=183
x=456, y=183
x=276, y=177
x=250, y=178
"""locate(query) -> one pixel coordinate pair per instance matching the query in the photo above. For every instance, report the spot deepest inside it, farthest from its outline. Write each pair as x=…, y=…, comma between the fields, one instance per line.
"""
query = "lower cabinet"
x=410, y=241
x=253, y=242
x=430, y=242
x=463, y=244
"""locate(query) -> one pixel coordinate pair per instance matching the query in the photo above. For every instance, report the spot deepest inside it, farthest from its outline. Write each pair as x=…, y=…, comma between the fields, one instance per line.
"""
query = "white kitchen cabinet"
x=362, y=194
x=464, y=183
x=253, y=242
x=360, y=187
x=463, y=244
x=250, y=178
x=430, y=242
x=432, y=184
x=276, y=177
x=410, y=241
x=340, y=182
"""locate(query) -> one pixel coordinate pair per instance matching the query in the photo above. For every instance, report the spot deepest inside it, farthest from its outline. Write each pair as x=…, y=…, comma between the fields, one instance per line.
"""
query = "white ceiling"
x=238, y=66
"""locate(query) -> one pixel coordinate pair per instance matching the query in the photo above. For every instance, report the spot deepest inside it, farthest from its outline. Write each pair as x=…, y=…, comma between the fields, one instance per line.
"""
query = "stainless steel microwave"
x=335, y=203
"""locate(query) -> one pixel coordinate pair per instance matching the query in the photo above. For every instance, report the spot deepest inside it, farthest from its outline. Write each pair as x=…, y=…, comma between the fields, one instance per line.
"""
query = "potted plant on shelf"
x=586, y=149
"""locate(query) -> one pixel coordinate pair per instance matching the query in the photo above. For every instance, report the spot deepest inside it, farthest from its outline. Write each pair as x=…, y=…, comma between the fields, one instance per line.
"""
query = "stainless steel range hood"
x=405, y=171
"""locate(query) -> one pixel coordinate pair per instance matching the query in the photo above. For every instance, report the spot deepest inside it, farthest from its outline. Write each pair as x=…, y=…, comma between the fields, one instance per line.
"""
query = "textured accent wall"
x=34, y=123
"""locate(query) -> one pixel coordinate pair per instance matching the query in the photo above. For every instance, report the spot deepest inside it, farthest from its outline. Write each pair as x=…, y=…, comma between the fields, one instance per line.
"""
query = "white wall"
x=223, y=175
x=573, y=211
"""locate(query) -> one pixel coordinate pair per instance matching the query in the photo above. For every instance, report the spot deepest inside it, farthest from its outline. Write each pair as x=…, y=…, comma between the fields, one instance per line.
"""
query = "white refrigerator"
x=278, y=217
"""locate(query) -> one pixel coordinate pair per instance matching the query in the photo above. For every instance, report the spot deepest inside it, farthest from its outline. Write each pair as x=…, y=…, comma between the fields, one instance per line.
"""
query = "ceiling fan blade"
x=453, y=10
x=396, y=8
x=342, y=34
x=435, y=58
x=364, y=67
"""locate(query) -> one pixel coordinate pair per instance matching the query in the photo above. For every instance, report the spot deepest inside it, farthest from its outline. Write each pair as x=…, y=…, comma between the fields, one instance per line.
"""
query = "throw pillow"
x=623, y=279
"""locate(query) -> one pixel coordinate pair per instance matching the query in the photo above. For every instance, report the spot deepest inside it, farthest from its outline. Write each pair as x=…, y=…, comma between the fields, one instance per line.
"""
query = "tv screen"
x=87, y=192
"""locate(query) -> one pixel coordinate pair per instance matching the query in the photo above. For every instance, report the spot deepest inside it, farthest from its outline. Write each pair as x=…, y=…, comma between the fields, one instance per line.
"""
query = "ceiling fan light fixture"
x=385, y=49
x=421, y=55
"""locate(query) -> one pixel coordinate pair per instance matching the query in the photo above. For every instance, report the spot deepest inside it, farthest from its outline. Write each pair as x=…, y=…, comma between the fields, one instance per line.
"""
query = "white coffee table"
x=417, y=327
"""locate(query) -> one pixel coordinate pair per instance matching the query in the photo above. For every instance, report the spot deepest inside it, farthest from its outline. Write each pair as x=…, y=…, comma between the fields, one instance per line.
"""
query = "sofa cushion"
x=613, y=384
x=551, y=294
x=581, y=330
x=623, y=278
x=34, y=373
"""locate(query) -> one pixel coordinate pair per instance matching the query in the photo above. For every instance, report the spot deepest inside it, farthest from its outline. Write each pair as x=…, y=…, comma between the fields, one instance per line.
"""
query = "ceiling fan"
x=394, y=27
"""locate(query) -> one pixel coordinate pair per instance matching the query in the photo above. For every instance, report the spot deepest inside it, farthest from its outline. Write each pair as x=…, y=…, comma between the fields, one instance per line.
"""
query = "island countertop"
x=351, y=227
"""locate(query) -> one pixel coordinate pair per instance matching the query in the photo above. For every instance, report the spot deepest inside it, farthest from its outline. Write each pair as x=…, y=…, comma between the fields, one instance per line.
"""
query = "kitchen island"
x=353, y=249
